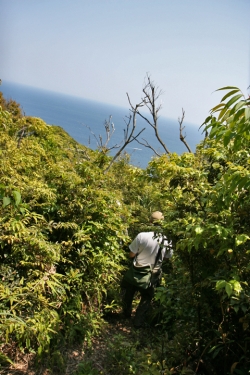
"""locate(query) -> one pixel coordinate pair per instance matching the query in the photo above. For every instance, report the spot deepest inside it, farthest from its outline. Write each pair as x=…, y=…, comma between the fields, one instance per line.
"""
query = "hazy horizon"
x=86, y=99
x=82, y=119
x=101, y=50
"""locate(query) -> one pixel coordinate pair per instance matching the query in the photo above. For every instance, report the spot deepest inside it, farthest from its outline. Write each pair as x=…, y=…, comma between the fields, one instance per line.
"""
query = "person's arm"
x=133, y=248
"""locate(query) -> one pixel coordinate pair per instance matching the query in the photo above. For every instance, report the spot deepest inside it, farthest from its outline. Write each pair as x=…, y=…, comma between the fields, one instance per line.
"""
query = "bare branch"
x=146, y=119
x=135, y=138
x=128, y=134
x=182, y=138
x=22, y=133
x=127, y=127
x=109, y=130
x=97, y=140
x=151, y=95
x=146, y=144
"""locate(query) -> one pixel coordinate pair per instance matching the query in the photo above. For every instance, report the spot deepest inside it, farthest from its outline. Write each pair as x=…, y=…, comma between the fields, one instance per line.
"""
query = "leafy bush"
x=65, y=225
x=206, y=197
x=62, y=236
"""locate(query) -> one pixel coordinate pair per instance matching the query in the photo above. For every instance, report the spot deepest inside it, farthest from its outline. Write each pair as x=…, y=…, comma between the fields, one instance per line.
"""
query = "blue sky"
x=101, y=49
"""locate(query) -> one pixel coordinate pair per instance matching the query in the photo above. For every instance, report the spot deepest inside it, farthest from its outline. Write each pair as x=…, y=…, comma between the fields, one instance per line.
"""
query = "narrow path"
x=116, y=330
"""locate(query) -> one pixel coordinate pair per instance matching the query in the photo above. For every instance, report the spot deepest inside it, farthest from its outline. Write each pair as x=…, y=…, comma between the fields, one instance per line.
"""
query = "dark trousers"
x=128, y=292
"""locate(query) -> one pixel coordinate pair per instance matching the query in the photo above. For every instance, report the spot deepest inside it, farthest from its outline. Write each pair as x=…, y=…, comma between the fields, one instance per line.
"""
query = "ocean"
x=84, y=121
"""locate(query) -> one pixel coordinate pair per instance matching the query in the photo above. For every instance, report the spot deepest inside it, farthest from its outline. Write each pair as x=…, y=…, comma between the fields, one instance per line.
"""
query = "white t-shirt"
x=146, y=245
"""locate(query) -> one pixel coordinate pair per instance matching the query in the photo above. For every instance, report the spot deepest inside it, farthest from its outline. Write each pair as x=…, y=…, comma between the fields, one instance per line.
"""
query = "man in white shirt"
x=144, y=249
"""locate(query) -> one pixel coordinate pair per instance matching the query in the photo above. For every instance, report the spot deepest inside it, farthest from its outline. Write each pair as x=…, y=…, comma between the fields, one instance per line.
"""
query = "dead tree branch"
x=22, y=133
x=149, y=99
x=151, y=94
x=128, y=134
x=182, y=137
x=109, y=130
x=146, y=144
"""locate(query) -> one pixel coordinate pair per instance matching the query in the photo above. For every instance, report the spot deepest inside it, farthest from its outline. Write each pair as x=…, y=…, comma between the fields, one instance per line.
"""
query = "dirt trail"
x=23, y=364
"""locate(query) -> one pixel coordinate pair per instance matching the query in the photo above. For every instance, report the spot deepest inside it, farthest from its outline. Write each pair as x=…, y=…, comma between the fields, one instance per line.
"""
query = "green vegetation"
x=64, y=230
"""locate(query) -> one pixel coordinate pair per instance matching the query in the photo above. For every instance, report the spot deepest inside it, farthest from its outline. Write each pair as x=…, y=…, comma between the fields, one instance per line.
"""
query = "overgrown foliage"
x=65, y=226
x=206, y=197
x=63, y=229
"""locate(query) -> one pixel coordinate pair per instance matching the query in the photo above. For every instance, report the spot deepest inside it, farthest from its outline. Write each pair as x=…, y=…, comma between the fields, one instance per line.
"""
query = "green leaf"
x=227, y=137
x=217, y=350
x=3, y=359
x=229, y=289
x=247, y=113
x=240, y=239
x=237, y=107
x=213, y=131
x=222, y=112
x=220, y=284
x=228, y=88
x=217, y=107
x=40, y=350
x=198, y=230
x=233, y=100
x=6, y=201
x=237, y=142
x=230, y=93
x=27, y=343
x=236, y=286
x=17, y=197
x=239, y=113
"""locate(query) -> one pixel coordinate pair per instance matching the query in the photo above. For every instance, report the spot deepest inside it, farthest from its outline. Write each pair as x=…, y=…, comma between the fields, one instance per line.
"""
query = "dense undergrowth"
x=64, y=230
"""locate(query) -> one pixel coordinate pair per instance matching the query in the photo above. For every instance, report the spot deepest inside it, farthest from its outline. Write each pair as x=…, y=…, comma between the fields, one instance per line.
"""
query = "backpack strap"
x=159, y=252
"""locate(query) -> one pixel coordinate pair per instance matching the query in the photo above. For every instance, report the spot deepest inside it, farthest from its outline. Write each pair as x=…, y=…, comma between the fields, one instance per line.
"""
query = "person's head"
x=156, y=217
